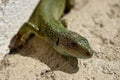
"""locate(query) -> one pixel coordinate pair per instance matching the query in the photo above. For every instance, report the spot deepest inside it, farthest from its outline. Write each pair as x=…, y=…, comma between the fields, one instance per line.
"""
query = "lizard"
x=46, y=23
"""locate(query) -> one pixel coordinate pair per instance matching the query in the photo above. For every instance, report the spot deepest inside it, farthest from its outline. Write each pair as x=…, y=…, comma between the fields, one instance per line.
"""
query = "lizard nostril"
x=89, y=54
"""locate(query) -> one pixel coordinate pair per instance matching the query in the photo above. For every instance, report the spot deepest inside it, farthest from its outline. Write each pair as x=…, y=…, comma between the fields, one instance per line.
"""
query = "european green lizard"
x=46, y=23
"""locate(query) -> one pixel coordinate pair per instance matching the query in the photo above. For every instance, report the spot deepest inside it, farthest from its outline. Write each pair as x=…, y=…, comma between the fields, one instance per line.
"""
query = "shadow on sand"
x=40, y=50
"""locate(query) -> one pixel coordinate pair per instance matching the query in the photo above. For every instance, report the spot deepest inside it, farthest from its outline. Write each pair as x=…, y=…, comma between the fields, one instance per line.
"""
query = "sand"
x=97, y=20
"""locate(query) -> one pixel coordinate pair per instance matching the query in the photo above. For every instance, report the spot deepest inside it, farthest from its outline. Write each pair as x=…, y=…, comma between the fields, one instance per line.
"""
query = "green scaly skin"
x=46, y=23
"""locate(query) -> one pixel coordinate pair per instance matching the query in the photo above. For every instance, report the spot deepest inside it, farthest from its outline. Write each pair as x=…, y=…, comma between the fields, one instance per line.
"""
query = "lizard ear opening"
x=57, y=42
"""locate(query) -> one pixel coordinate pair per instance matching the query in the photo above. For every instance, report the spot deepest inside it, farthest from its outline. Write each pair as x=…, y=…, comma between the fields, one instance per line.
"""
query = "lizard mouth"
x=81, y=53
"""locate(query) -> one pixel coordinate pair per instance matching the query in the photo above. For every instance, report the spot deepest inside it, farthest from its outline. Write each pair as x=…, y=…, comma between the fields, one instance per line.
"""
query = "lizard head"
x=73, y=44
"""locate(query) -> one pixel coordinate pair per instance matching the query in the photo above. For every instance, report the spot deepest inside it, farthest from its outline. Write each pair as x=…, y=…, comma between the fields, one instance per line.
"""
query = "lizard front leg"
x=23, y=34
x=64, y=22
x=69, y=5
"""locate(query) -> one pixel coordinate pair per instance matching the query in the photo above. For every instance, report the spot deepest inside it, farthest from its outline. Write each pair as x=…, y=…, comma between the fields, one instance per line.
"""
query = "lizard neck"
x=52, y=31
x=48, y=9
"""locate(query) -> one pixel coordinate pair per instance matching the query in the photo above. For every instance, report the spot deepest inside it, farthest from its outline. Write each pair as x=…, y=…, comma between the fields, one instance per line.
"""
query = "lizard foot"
x=16, y=43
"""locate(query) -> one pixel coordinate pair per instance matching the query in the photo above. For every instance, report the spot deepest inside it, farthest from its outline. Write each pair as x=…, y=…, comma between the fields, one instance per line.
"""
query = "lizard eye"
x=73, y=44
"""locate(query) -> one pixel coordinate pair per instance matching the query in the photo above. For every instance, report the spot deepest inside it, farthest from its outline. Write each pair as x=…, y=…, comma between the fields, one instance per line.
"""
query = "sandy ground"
x=97, y=20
